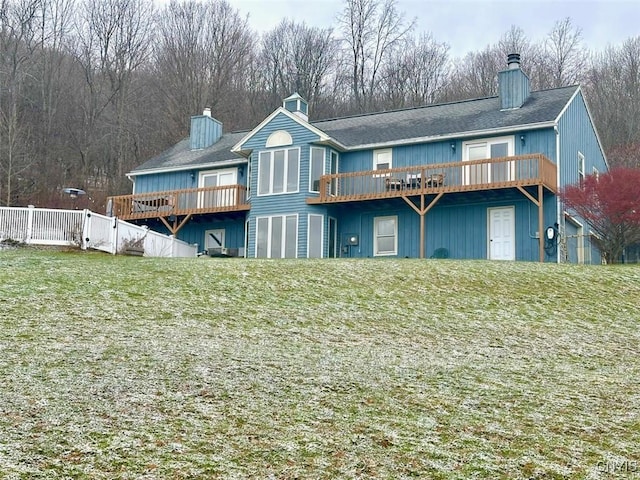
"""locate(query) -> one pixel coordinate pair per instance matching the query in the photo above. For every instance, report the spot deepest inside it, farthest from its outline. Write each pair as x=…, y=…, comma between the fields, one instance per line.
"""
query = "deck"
x=488, y=174
x=176, y=203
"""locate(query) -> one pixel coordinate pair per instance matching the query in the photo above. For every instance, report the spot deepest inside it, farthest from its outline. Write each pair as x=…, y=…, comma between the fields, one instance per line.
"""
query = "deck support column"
x=422, y=232
x=539, y=202
x=541, y=222
x=422, y=211
x=175, y=227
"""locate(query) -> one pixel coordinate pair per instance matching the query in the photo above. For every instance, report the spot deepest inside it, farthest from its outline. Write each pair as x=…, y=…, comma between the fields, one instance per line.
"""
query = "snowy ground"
x=131, y=367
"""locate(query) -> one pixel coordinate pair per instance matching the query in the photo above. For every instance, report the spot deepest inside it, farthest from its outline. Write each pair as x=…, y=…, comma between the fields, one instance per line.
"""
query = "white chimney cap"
x=207, y=112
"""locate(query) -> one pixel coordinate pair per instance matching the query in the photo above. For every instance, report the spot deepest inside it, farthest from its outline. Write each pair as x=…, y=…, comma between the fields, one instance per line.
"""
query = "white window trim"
x=248, y=179
x=509, y=140
x=279, y=138
x=580, y=234
x=206, y=173
x=581, y=167
x=375, y=236
x=336, y=246
x=334, y=186
x=225, y=198
x=270, y=230
x=321, y=233
x=376, y=162
x=286, y=176
x=324, y=164
x=247, y=225
x=211, y=230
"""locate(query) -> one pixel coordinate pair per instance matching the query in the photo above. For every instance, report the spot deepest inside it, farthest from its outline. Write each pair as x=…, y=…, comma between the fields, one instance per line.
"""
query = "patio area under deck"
x=421, y=187
x=175, y=208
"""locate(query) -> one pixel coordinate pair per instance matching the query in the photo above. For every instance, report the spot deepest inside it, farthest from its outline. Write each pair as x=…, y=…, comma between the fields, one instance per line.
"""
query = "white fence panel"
x=14, y=223
x=56, y=227
x=184, y=249
x=157, y=245
x=129, y=233
x=100, y=232
x=46, y=226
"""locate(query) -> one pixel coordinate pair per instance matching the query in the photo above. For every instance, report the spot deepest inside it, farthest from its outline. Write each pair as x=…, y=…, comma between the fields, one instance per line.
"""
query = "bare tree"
x=18, y=31
x=112, y=43
x=373, y=31
x=613, y=91
x=565, y=59
x=298, y=58
x=200, y=57
x=417, y=75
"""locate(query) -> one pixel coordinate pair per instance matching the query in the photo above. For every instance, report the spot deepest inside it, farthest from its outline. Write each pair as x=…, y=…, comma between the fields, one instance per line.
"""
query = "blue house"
x=474, y=179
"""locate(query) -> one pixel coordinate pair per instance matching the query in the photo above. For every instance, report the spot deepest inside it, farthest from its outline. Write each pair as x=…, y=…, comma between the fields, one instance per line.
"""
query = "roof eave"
x=451, y=136
x=200, y=166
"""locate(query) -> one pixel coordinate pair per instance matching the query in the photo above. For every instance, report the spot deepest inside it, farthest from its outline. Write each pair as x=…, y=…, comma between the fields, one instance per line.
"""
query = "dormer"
x=297, y=105
x=205, y=130
x=513, y=84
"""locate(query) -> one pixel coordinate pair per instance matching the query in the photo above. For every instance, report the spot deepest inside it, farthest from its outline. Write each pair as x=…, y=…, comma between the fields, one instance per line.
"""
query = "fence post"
x=30, y=211
x=86, y=229
x=114, y=236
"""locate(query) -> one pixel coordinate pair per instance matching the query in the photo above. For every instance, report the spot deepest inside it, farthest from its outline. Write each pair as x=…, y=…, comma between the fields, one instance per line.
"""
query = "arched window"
x=279, y=138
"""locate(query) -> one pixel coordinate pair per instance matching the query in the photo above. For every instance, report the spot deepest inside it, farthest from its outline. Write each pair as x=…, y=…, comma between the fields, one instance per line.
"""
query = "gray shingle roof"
x=446, y=119
x=181, y=156
x=433, y=121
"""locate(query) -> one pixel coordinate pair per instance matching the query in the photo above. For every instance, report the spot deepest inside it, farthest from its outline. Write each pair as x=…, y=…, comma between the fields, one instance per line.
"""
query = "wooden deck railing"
x=487, y=174
x=228, y=198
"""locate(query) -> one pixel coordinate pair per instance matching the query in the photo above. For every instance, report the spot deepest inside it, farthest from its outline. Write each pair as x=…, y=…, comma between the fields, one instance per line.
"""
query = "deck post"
x=422, y=226
x=541, y=222
x=422, y=234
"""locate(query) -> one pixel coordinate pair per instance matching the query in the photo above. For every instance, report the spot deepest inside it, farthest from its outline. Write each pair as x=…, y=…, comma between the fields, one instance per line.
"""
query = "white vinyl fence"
x=87, y=229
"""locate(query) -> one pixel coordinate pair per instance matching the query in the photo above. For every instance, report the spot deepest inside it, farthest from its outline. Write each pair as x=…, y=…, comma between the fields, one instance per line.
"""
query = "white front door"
x=502, y=244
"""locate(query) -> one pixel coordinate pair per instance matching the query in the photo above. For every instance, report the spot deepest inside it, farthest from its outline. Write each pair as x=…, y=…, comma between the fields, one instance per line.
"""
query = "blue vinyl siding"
x=159, y=182
x=460, y=226
x=193, y=232
x=180, y=180
x=433, y=153
x=577, y=134
x=284, y=203
x=205, y=131
x=513, y=88
x=458, y=222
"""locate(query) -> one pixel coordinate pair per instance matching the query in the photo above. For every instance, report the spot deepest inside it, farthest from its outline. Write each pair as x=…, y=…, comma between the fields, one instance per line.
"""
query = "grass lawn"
x=142, y=368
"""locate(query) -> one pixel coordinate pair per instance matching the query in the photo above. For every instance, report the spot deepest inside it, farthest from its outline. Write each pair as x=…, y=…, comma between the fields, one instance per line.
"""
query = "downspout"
x=558, y=203
x=133, y=181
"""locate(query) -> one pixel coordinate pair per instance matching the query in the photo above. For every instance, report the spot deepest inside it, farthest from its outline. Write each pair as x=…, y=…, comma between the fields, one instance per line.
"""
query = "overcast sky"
x=470, y=25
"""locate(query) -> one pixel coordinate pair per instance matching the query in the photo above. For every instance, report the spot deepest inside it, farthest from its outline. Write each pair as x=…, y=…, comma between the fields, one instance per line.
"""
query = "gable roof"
x=466, y=118
x=281, y=110
x=181, y=157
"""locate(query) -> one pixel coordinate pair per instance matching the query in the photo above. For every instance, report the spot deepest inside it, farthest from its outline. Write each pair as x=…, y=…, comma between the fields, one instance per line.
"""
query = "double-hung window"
x=382, y=159
x=580, y=169
x=277, y=236
x=385, y=236
x=278, y=171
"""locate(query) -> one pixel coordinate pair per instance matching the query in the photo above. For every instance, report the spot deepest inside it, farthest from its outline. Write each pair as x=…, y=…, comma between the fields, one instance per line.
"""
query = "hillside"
x=127, y=367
